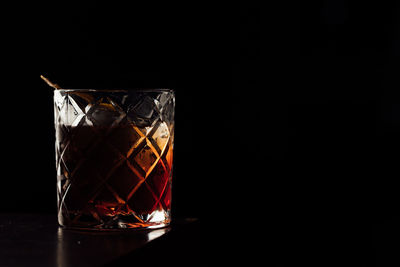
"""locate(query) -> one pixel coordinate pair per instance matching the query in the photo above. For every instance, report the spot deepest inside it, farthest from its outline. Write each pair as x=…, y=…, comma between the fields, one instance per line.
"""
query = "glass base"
x=157, y=219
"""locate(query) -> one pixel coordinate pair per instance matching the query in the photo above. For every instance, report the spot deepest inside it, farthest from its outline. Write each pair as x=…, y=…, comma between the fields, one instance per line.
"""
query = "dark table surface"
x=37, y=240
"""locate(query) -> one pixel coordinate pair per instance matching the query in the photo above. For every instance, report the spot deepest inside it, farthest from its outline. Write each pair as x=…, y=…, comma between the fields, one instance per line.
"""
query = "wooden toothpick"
x=54, y=85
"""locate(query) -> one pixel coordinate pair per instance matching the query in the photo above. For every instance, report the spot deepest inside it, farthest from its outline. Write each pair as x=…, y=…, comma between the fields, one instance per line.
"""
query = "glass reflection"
x=92, y=248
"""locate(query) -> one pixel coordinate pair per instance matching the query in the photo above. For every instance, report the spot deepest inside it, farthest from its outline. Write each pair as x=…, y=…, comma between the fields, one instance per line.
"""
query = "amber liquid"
x=109, y=175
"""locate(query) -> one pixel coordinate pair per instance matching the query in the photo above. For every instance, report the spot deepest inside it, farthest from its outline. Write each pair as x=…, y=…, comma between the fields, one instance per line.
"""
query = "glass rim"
x=129, y=90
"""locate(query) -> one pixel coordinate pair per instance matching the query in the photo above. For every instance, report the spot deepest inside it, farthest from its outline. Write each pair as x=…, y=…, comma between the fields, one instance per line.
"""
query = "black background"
x=287, y=116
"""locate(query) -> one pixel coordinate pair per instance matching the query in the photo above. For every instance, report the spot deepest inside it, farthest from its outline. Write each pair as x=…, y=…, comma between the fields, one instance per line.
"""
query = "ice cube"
x=105, y=113
x=145, y=113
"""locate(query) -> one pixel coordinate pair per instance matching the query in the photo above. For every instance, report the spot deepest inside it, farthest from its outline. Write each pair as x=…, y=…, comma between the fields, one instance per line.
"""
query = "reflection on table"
x=84, y=248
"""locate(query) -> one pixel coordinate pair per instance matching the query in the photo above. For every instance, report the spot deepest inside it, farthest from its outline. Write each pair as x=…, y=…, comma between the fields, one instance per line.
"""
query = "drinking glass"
x=114, y=151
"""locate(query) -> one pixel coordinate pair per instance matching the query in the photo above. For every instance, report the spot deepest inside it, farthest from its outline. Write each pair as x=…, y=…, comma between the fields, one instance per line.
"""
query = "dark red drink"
x=116, y=176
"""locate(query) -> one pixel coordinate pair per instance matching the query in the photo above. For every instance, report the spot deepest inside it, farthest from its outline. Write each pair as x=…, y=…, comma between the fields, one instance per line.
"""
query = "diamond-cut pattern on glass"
x=114, y=158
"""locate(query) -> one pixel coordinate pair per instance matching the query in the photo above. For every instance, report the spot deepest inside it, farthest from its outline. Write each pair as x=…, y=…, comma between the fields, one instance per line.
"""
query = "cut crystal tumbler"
x=114, y=157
